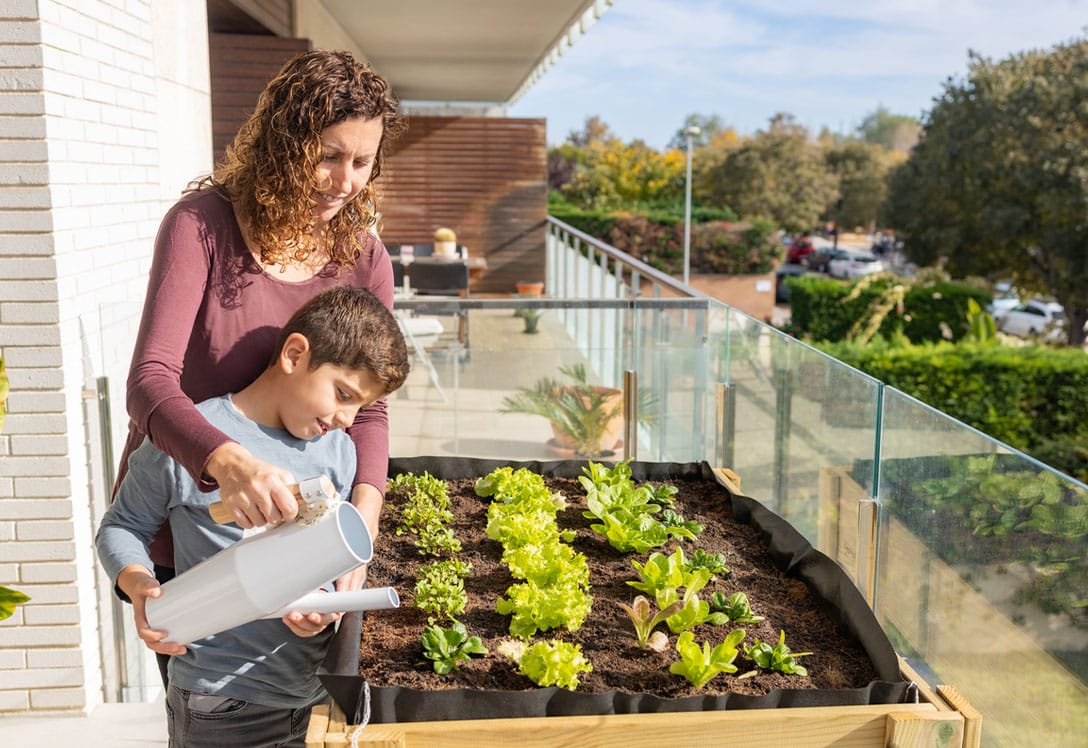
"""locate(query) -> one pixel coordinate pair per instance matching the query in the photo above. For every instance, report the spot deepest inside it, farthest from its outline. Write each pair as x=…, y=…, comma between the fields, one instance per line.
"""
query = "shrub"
x=929, y=313
x=1032, y=397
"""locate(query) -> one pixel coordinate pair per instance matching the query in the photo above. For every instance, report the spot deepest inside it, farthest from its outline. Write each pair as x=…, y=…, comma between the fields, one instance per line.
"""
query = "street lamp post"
x=691, y=133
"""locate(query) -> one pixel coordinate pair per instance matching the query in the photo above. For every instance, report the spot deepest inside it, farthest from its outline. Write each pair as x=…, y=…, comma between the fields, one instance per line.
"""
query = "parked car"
x=1036, y=317
x=781, y=290
x=800, y=248
x=1005, y=298
x=819, y=259
x=854, y=265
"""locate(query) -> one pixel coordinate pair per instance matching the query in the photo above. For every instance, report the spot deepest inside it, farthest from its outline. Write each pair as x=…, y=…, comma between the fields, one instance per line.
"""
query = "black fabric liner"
x=789, y=550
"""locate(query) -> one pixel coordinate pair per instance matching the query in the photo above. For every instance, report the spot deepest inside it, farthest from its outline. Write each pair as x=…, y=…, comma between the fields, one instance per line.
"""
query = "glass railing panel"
x=678, y=350
x=801, y=417
x=454, y=399
x=982, y=575
x=486, y=353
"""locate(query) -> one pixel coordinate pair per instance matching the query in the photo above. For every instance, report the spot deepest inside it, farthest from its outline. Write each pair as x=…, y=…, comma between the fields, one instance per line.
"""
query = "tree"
x=710, y=127
x=998, y=183
x=896, y=132
x=777, y=174
x=593, y=131
x=595, y=169
x=862, y=169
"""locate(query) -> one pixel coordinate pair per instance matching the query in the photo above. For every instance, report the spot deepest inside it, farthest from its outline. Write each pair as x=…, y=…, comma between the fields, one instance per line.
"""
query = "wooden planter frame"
x=941, y=719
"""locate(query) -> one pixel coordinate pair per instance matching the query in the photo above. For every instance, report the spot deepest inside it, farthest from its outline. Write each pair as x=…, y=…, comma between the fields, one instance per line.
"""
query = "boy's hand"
x=309, y=624
x=139, y=583
x=253, y=490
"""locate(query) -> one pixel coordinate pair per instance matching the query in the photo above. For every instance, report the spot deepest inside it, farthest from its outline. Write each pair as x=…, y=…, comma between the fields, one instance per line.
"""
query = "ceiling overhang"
x=471, y=51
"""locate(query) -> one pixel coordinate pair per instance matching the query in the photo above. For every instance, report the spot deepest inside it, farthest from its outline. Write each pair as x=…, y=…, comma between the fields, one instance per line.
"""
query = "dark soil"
x=391, y=653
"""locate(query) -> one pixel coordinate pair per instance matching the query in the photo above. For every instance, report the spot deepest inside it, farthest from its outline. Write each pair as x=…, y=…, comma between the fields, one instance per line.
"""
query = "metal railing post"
x=726, y=406
x=630, y=414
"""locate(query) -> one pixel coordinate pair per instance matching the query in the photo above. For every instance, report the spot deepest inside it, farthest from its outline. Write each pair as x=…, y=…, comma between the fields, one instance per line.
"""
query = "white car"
x=1005, y=298
x=1035, y=317
x=854, y=265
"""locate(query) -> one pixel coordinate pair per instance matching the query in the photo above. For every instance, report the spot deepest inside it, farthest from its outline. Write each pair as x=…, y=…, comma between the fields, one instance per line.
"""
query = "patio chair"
x=443, y=279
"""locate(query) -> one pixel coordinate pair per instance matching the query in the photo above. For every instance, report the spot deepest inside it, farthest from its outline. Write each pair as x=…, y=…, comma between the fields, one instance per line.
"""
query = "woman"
x=289, y=212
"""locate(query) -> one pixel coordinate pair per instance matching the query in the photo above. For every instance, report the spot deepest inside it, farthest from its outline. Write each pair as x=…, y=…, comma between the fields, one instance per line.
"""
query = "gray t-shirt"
x=260, y=662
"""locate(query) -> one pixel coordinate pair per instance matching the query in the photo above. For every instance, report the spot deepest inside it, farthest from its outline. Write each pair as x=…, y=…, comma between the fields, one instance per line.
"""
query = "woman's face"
x=349, y=149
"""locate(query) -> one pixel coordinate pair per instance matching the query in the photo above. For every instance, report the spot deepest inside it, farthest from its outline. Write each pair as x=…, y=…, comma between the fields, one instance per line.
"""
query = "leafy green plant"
x=664, y=577
x=424, y=512
x=448, y=647
x=777, y=657
x=521, y=516
x=661, y=572
x=692, y=613
x=534, y=607
x=646, y=620
x=712, y=562
x=735, y=607
x=9, y=598
x=580, y=410
x=440, y=589
x=625, y=513
x=549, y=663
x=673, y=522
x=701, y=664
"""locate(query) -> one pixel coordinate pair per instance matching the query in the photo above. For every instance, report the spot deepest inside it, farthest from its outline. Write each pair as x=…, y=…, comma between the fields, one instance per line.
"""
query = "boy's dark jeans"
x=198, y=720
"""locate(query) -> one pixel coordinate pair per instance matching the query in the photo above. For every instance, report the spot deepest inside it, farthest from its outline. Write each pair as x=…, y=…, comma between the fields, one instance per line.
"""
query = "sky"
x=647, y=64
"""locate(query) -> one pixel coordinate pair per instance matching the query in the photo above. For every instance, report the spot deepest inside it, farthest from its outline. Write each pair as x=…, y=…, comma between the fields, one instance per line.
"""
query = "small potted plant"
x=531, y=318
x=445, y=242
x=586, y=419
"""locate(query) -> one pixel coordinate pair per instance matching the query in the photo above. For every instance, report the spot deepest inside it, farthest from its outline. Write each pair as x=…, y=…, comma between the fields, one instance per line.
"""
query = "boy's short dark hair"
x=350, y=327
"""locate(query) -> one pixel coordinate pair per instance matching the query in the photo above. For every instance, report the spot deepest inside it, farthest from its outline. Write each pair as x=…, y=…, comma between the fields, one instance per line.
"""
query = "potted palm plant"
x=586, y=419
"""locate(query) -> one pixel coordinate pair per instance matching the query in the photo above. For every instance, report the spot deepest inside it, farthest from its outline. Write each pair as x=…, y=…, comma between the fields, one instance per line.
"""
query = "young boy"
x=254, y=685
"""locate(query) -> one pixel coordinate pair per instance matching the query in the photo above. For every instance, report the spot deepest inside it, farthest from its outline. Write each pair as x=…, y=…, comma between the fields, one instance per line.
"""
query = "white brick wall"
x=82, y=190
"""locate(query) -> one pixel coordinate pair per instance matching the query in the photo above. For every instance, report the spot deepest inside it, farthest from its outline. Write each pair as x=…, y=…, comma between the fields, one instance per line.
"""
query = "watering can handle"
x=319, y=487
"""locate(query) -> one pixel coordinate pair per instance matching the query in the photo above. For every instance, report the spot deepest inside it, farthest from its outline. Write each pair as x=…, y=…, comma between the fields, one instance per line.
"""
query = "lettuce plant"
x=522, y=518
x=700, y=664
x=777, y=657
x=440, y=589
x=549, y=663
x=625, y=513
x=448, y=647
x=646, y=620
x=712, y=562
x=735, y=606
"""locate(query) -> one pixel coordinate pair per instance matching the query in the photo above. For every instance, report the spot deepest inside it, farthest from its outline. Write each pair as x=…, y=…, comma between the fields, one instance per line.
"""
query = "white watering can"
x=268, y=574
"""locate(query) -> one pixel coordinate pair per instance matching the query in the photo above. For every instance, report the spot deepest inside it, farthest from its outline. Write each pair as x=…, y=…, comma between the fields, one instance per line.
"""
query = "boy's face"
x=316, y=401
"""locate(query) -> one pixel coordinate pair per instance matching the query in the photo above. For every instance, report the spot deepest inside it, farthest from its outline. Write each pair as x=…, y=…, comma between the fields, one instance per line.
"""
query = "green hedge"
x=1032, y=398
x=818, y=311
x=593, y=222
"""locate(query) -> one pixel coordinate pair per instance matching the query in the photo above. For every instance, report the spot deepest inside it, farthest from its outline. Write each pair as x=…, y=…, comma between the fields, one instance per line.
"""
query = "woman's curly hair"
x=270, y=170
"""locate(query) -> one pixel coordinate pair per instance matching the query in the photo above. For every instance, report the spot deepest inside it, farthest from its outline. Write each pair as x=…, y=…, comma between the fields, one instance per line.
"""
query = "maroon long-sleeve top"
x=210, y=321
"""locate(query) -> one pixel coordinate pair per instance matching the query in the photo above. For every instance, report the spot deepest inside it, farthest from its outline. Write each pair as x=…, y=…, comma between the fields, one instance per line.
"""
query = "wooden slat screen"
x=483, y=177
x=240, y=66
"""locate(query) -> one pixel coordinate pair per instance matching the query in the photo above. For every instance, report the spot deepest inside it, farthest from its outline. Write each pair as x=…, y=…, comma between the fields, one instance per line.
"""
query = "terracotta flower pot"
x=530, y=288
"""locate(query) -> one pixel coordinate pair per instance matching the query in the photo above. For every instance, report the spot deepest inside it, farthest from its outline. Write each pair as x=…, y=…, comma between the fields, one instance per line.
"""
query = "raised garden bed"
x=793, y=587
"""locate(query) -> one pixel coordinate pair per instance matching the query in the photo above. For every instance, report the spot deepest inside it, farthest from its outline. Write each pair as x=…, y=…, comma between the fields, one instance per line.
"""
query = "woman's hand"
x=139, y=583
x=309, y=624
x=253, y=490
